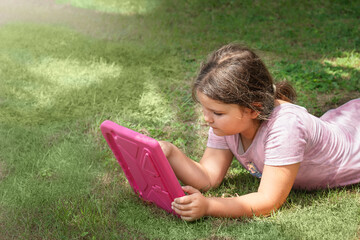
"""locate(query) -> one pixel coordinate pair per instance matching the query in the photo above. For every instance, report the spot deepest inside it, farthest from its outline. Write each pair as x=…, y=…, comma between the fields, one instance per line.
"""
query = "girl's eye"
x=218, y=114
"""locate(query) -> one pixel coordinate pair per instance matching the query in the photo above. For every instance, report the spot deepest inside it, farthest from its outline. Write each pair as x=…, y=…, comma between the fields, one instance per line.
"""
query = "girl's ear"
x=254, y=114
x=251, y=112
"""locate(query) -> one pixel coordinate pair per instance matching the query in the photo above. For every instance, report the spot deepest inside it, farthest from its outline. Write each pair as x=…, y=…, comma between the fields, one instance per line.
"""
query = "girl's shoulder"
x=288, y=117
x=287, y=109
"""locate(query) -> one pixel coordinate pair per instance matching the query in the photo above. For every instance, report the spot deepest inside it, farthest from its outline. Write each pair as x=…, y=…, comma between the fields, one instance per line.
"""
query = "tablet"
x=144, y=164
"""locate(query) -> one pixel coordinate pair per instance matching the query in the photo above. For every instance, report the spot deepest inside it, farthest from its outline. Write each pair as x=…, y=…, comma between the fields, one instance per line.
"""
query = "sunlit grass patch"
x=62, y=75
x=347, y=60
x=125, y=7
x=153, y=104
x=72, y=73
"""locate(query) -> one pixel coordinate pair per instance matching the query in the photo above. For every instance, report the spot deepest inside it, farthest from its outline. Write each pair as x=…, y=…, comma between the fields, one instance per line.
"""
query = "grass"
x=58, y=179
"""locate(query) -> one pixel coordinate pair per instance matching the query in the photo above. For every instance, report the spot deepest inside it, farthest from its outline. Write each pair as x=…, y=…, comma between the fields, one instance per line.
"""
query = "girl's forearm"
x=275, y=186
x=247, y=205
x=188, y=171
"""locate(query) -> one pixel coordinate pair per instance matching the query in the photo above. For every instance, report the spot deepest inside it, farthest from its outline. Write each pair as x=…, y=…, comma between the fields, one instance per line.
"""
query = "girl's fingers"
x=183, y=200
x=183, y=207
x=182, y=213
x=186, y=215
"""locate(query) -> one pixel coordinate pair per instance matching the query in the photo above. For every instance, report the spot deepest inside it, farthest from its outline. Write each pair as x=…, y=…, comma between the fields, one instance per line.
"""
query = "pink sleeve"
x=215, y=141
x=286, y=141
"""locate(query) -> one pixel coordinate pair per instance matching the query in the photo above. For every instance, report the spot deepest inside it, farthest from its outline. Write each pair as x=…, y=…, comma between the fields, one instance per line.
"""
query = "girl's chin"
x=221, y=133
x=218, y=132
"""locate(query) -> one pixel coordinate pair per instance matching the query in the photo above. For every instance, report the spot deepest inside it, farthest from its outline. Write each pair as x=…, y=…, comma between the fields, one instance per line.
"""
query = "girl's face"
x=228, y=119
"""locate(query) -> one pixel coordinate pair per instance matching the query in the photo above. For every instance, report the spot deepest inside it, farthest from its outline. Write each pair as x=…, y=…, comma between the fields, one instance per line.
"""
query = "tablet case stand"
x=144, y=164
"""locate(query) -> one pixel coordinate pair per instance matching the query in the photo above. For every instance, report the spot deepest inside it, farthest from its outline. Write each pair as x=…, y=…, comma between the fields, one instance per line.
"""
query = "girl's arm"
x=203, y=175
x=275, y=186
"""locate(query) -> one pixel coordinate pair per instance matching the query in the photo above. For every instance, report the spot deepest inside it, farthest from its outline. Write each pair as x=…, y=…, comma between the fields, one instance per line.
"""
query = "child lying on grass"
x=256, y=121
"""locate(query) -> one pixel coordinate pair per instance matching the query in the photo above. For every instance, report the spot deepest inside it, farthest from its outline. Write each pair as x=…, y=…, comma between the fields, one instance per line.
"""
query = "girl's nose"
x=208, y=118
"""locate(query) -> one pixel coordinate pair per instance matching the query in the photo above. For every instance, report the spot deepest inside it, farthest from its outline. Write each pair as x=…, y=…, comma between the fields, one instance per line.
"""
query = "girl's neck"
x=248, y=136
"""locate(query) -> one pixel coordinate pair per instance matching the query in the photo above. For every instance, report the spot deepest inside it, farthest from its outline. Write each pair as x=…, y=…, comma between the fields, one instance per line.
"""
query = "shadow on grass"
x=320, y=86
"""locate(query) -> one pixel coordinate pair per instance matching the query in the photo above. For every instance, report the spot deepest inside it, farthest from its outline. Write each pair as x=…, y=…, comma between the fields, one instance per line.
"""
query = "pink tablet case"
x=144, y=164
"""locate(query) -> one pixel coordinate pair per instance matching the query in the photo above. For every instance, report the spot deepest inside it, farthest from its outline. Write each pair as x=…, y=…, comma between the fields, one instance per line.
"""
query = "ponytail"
x=284, y=91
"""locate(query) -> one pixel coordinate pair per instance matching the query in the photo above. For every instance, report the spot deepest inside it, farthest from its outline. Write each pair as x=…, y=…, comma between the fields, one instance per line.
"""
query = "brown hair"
x=234, y=74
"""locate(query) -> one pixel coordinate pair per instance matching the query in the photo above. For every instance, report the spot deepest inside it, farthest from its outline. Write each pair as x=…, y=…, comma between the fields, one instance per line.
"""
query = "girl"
x=255, y=121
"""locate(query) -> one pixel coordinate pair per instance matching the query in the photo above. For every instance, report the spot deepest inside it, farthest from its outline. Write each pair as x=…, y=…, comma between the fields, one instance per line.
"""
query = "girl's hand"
x=192, y=206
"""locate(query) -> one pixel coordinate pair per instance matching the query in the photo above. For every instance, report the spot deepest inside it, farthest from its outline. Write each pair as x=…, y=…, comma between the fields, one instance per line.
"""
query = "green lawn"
x=133, y=62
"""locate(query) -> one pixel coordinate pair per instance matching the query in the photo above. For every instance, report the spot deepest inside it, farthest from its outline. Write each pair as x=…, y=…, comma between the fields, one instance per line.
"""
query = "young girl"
x=255, y=121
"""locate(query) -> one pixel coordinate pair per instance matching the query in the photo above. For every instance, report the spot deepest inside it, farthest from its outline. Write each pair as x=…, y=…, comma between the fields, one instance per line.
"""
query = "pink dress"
x=327, y=148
